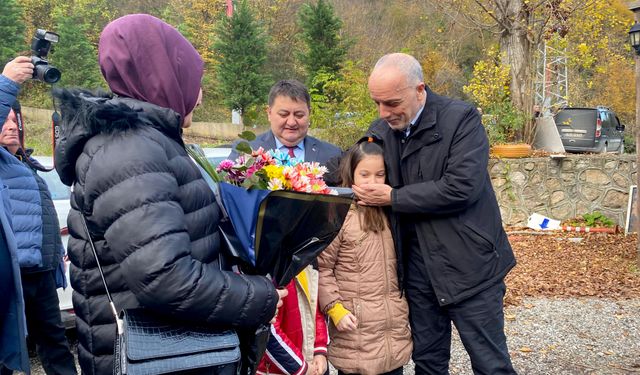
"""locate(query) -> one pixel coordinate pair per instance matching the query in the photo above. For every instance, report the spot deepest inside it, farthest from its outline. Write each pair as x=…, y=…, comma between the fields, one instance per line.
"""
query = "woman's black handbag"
x=149, y=344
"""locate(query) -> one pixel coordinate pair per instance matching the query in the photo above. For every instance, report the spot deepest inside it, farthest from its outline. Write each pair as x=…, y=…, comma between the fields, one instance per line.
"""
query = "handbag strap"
x=119, y=322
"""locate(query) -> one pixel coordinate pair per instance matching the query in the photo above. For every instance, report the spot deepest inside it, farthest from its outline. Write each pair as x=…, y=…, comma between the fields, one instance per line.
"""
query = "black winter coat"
x=154, y=222
x=441, y=185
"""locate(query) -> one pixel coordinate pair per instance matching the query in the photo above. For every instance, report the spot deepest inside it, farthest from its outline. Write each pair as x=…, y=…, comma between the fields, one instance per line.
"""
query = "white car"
x=60, y=194
x=217, y=154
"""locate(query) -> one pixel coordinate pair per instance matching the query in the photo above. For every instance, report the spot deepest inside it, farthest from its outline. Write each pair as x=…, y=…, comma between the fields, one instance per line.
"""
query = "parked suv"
x=590, y=130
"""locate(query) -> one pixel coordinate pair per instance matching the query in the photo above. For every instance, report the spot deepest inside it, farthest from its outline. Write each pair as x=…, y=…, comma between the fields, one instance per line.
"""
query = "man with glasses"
x=453, y=251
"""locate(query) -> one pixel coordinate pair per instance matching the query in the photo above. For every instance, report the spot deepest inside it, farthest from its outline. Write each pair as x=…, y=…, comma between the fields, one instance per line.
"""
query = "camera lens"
x=51, y=75
x=46, y=73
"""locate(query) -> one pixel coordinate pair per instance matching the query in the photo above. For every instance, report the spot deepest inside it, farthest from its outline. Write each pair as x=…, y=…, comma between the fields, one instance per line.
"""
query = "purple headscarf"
x=144, y=58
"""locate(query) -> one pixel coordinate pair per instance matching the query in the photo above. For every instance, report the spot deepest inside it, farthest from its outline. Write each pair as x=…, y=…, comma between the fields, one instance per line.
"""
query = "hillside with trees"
x=483, y=51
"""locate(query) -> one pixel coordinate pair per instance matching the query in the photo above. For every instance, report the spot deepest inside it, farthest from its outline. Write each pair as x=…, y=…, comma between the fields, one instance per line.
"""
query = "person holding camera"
x=39, y=250
x=13, y=346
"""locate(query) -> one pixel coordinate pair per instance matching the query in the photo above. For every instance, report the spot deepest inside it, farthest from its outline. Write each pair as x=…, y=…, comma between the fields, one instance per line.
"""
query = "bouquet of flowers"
x=273, y=170
x=279, y=213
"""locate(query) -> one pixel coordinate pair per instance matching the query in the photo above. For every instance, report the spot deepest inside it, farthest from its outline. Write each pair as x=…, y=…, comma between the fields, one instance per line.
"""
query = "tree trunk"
x=518, y=54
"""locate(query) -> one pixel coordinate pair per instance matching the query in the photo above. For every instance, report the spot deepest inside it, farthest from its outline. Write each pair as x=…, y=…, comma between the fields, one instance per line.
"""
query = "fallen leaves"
x=556, y=265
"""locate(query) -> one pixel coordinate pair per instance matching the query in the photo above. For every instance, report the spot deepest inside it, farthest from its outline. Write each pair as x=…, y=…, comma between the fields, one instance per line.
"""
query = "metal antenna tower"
x=552, y=79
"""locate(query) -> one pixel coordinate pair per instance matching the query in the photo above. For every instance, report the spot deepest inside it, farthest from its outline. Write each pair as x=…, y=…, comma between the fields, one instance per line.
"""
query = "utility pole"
x=635, y=8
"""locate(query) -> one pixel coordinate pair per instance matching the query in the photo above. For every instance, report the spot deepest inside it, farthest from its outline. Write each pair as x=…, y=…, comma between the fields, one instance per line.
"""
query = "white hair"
x=406, y=64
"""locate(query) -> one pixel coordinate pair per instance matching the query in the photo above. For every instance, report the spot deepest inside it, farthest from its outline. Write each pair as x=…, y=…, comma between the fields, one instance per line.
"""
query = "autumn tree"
x=341, y=108
x=241, y=45
x=276, y=16
x=12, y=31
x=325, y=49
x=75, y=56
x=599, y=57
x=37, y=15
x=197, y=21
x=521, y=26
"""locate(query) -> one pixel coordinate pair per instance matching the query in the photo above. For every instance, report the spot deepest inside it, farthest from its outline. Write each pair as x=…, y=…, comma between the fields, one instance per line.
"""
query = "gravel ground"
x=569, y=336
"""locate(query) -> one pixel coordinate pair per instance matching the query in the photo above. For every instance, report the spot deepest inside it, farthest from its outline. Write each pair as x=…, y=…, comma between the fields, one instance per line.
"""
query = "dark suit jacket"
x=314, y=149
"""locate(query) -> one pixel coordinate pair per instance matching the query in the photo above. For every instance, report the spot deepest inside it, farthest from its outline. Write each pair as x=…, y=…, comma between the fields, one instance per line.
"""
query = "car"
x=217, y=154
x=595, y=130
x=60, y=193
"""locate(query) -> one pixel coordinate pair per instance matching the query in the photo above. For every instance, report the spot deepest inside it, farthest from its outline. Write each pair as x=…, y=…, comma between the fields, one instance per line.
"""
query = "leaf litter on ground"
x=569, y=264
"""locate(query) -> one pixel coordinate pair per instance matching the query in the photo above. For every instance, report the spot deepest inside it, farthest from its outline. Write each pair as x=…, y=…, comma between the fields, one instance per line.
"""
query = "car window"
x=607, y=122
x=215, y=160
x=56, y=187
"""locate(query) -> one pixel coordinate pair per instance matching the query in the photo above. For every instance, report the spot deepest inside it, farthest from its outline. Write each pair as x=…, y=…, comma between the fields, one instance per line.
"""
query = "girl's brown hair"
x=372, y=218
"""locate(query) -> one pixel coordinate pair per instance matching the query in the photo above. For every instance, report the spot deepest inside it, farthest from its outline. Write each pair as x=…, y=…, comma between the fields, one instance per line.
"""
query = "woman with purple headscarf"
x=152, y=216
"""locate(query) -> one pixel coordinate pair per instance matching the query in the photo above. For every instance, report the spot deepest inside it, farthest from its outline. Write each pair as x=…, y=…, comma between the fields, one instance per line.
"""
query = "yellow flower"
x=274, y=172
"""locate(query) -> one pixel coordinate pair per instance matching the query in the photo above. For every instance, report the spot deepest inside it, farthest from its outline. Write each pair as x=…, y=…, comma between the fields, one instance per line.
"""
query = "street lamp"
x=634, y=37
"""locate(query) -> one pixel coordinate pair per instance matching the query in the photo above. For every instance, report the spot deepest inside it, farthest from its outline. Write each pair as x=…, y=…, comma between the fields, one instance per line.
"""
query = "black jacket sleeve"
x=134, y=195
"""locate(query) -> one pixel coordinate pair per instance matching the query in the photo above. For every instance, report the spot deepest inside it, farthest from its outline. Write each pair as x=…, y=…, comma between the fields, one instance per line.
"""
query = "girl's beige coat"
x=359, y=269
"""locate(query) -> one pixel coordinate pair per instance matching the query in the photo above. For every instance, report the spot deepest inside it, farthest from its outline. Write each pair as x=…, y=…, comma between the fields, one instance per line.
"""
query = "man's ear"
x=268, y=110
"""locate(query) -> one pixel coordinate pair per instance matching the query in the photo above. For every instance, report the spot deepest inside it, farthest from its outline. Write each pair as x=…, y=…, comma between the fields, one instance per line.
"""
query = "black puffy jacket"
x=153, y=219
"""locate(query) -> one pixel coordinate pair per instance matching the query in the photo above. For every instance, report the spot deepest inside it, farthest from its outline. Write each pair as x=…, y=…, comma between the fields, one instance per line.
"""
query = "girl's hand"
x=347, y=323
x=320, y=364
x=311, y=369
x=281, y=294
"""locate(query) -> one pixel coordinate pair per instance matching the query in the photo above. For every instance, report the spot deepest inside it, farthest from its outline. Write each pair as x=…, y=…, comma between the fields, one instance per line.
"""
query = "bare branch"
x=465, y=20
x=492, y=15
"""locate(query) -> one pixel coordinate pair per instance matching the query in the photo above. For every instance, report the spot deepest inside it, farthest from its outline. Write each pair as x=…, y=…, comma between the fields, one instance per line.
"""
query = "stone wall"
x=563, y=188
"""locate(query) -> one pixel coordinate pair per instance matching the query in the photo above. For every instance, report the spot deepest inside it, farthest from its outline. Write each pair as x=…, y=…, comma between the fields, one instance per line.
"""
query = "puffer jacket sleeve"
x=322, y=334
x=8, y=93
x=328, y=290
x=131, y=191
x=281, y=349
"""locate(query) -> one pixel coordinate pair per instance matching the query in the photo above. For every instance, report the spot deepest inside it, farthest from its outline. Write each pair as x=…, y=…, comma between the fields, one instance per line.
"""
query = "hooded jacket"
x=153, y=220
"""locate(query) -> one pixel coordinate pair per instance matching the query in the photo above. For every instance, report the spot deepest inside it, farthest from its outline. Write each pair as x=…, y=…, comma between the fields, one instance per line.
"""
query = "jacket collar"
x=426, y=131
x=86, y=114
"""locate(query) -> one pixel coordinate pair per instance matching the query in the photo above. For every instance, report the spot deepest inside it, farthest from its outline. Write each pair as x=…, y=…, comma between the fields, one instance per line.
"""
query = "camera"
x=40, y=46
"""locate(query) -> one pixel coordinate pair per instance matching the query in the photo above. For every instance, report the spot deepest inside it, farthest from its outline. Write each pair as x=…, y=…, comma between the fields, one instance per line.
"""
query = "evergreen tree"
x=74, y=55
x=325, y=50
x=12, y=31
x=241, y=45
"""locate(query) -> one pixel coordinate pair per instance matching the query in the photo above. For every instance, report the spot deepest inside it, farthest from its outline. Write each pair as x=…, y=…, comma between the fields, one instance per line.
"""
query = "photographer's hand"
x=19, y=69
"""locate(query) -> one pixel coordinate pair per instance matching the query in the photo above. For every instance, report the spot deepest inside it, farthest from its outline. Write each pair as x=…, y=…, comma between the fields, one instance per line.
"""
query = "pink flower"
x=225, y=165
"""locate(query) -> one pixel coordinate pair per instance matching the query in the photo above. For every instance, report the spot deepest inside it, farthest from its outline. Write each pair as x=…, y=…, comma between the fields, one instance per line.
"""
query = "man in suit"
x=453, y=251
x=288, y=113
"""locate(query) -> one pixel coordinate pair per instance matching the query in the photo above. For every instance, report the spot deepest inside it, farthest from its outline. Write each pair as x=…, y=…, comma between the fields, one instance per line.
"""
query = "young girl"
x=358, y=281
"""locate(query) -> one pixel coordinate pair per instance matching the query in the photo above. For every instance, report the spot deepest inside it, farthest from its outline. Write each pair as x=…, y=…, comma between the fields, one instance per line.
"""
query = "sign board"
x=631, y=224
